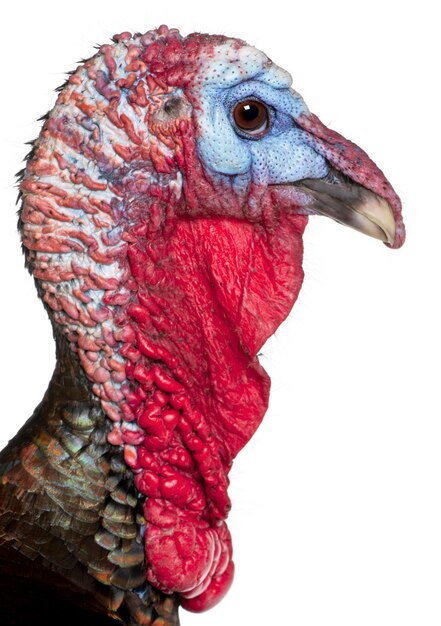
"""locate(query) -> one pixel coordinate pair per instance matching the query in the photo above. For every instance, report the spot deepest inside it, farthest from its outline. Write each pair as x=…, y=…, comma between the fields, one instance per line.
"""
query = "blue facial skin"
x=281, y=155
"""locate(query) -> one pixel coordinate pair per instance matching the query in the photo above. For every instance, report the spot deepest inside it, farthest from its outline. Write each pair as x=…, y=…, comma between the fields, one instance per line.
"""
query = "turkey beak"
x=351, y=204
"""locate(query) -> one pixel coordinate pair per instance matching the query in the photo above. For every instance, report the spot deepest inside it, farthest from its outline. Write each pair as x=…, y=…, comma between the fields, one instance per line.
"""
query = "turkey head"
x=163, y=208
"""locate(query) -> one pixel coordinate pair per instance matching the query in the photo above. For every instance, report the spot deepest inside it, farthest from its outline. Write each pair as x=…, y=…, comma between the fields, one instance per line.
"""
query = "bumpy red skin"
x=167, y=312
x=215, y=335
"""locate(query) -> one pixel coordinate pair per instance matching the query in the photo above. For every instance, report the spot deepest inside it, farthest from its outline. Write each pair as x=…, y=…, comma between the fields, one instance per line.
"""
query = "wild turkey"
x=163, y=208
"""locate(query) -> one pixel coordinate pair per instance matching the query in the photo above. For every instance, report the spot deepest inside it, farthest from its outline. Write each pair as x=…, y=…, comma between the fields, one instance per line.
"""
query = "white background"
x=336, y=501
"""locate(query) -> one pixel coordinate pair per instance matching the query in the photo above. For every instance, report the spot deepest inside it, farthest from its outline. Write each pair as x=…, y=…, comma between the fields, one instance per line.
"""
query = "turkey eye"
x=251, y=116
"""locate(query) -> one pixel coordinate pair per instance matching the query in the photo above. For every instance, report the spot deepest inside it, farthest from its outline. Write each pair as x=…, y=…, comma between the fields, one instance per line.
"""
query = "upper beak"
x=349, y=203
x=355, y=191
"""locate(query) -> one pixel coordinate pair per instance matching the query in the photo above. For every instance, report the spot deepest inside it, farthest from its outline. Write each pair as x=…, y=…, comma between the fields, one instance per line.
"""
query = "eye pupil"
x=250, y=112
x=251, y=117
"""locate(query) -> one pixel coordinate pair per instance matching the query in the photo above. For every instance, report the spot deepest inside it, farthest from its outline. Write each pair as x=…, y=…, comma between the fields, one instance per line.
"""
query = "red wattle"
x=186, y=554
x=214, y=593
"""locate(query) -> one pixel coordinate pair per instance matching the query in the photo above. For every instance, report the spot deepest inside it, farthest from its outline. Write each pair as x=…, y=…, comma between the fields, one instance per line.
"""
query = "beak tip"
x=399, y=239
x=376, y=218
